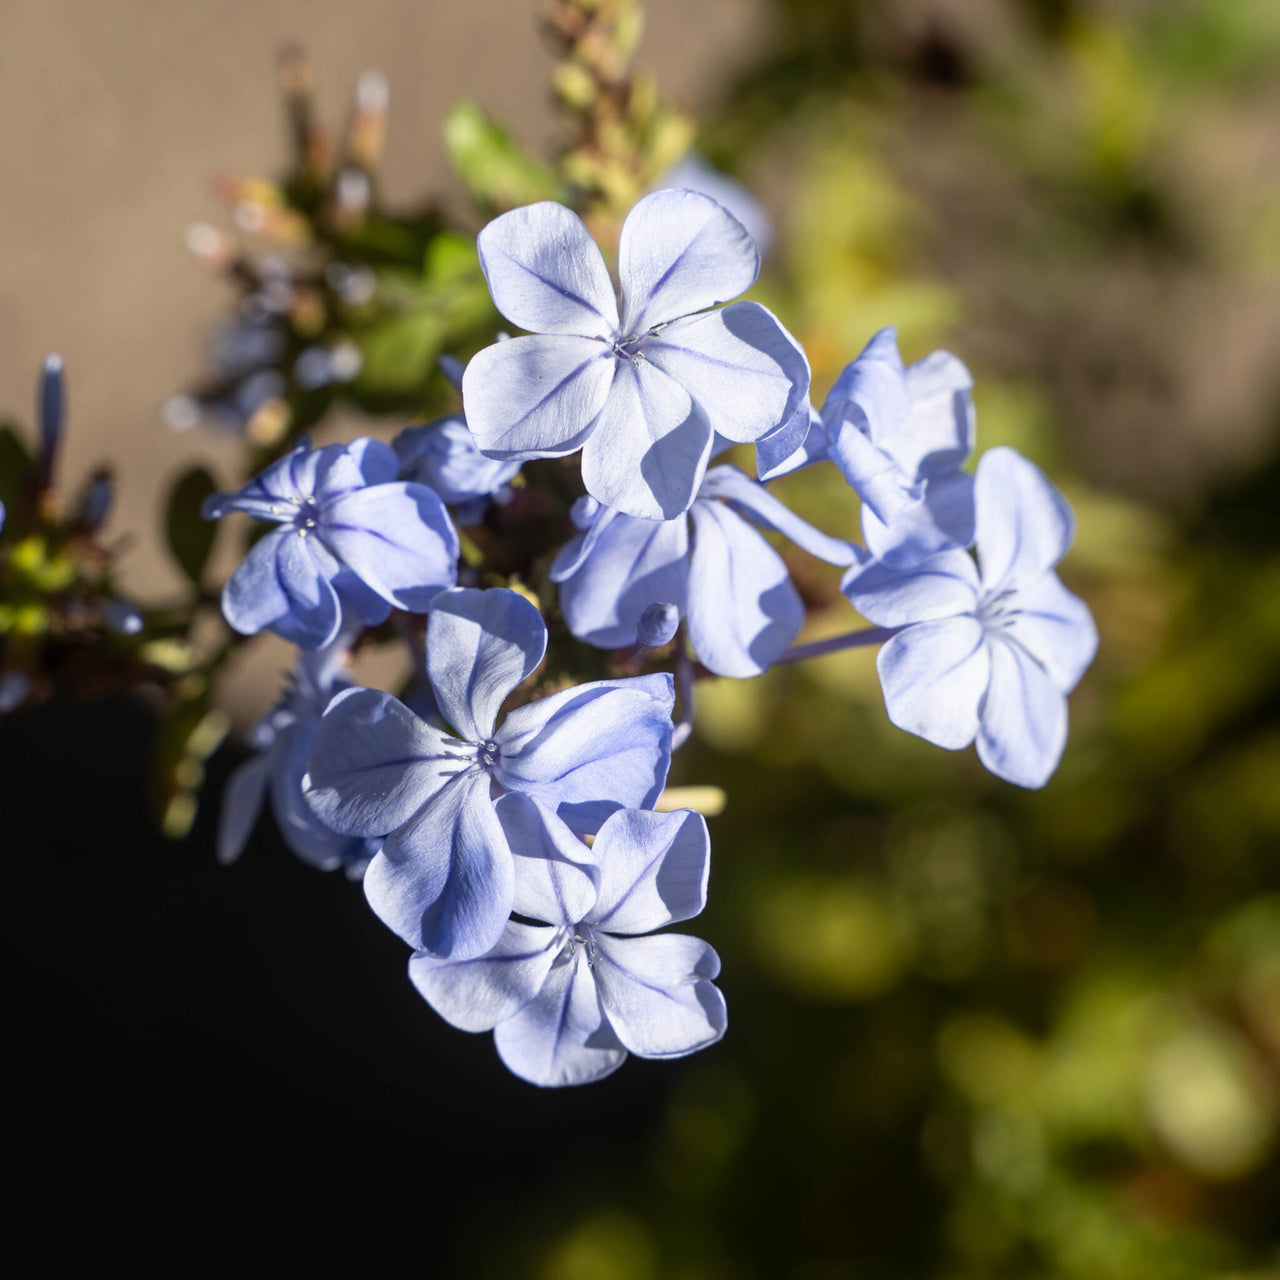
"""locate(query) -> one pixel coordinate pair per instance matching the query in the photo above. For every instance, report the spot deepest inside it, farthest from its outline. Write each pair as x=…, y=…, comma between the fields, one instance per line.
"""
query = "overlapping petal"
x=1024, y=718
x=934, y=676
x=871, y=392
x=444, y=455
x=1024, y=525
x=681, y=252
x=802, y=442
x=538, y=396
x=939, y=587
x=555, y=870
x=658, y=994
x=745, y=372
x=941, y=520
x=649, y=449
x=480, y=646
x=242, y=799
x=545, y=272
x=476, y=995
x=592, y=749
x=938, y=435
x=284, y=584
x=653, y=870
x=375, y=764
x=445, y=880
x=1056, y=628
x=562, y=1036
x=745, y=611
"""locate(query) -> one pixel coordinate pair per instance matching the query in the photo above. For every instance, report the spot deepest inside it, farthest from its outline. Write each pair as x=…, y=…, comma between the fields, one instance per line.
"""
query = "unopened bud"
x=122, y=617
x=95, y=506
x=657, y=625
x=583, y=513
x=51, y=409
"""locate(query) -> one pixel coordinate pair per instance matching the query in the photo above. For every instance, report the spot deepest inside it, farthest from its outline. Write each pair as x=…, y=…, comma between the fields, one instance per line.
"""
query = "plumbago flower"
x=284, y=739
x=569, y=998
x=899, y=436
x=987, y=651
x=351, y=535
x=642, y=395
x=445, y=880
x=731, y=585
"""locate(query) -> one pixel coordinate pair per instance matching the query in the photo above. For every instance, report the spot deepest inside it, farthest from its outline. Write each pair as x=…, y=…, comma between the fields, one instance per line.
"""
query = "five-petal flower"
x=987, y=651
x=732, y=586
x=444, y=879
x=350, y=536
x=642, y=394
x=569, y=998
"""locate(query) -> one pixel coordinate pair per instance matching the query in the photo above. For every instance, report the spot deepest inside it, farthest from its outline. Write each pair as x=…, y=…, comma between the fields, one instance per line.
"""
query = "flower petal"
x=648, y=452
x=630, y=565
x=242, y=799
x=743, y=610
x=444, y=455
x=446, y=879
x=933, y=676
x=940, y=586
x=755, y=501
x=938, y=435
x=1023, y=525
x=871, y=392
x=802, y=442
x=1024, y=718
x=681, y=252
x=545, y=272
x=745, y=372
x=536, y=397
x=476, y=995
x=397, y=539
x=280, y=586
x=942, y=520
x=555, y=870
x=653, y=870
x=592, y=749
x=480, y=646
x=561, y=1037
x=658, y=994
x=1055, y=628
x=375, y=764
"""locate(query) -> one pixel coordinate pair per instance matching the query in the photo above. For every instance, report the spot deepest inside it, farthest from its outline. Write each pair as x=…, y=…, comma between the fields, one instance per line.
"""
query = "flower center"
x=630, y=348
x=999, y=611
x=488, y=753
x=307, y=517
x=582, y=935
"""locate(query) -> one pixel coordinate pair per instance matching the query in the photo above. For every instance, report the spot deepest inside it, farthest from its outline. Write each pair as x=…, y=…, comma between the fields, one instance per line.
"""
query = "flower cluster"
x=507, y=823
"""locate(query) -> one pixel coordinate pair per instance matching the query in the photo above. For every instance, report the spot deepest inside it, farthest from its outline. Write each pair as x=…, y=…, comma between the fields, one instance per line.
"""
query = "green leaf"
x=15, y=462
x=189, y=535
x=496, y=169
x=398, y=354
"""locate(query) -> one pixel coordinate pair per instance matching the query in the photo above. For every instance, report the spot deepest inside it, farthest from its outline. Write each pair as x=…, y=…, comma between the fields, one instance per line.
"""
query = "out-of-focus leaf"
x=496, y=169
x=399, y=354
x=188, y=534
x=15, y=462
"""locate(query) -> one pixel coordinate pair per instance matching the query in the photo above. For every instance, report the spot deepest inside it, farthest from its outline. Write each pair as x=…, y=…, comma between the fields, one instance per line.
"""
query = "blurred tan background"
x=116, y=116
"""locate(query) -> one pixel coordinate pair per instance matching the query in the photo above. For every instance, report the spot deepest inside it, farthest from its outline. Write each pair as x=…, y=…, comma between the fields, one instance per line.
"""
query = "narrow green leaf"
x=189, y=535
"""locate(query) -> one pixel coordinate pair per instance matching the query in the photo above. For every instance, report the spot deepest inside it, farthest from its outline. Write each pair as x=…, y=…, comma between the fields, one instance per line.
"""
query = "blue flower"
x=350, y=535
x=900, y=437
x=732, y=586
x=443, y=455
x=569, y=999
x=444, y=880
x=284, y=739
x=987, y=651
x=642, y=395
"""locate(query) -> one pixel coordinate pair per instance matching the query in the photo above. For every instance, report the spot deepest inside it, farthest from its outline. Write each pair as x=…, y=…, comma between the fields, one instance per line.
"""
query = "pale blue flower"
x=899, y=436
x=641, y=393
x=443, y=455
x=986, y=652
x=284, y=740
x=568, y=999
x=444, y=880
x=711, y=565
x=351, y=536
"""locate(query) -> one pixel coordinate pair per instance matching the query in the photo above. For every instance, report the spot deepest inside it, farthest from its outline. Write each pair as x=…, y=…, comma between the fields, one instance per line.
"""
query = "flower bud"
x=657, y=625
x=122, y=617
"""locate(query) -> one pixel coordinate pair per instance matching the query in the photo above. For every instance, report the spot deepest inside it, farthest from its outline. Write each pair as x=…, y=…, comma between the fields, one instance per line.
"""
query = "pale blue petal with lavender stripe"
x=537, y=396
x=680, y=252
x=940, y=587
x=1056, y=627
x=445, y=881
x=1023, y=525
x=653, y=870
x=938, y=434
x=942, y=519
x=745, y=611
x=801, y=443
x=746, y=373
x=444, y=455
x=934, y=676
x=375, y=764
x=1024, y=718
x=556, y=872
x=480, y=646
x=562, y=1036
x=590, y=750
x=285, y=584
x=658, y=993
x=476, y=995
x=545, y=272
